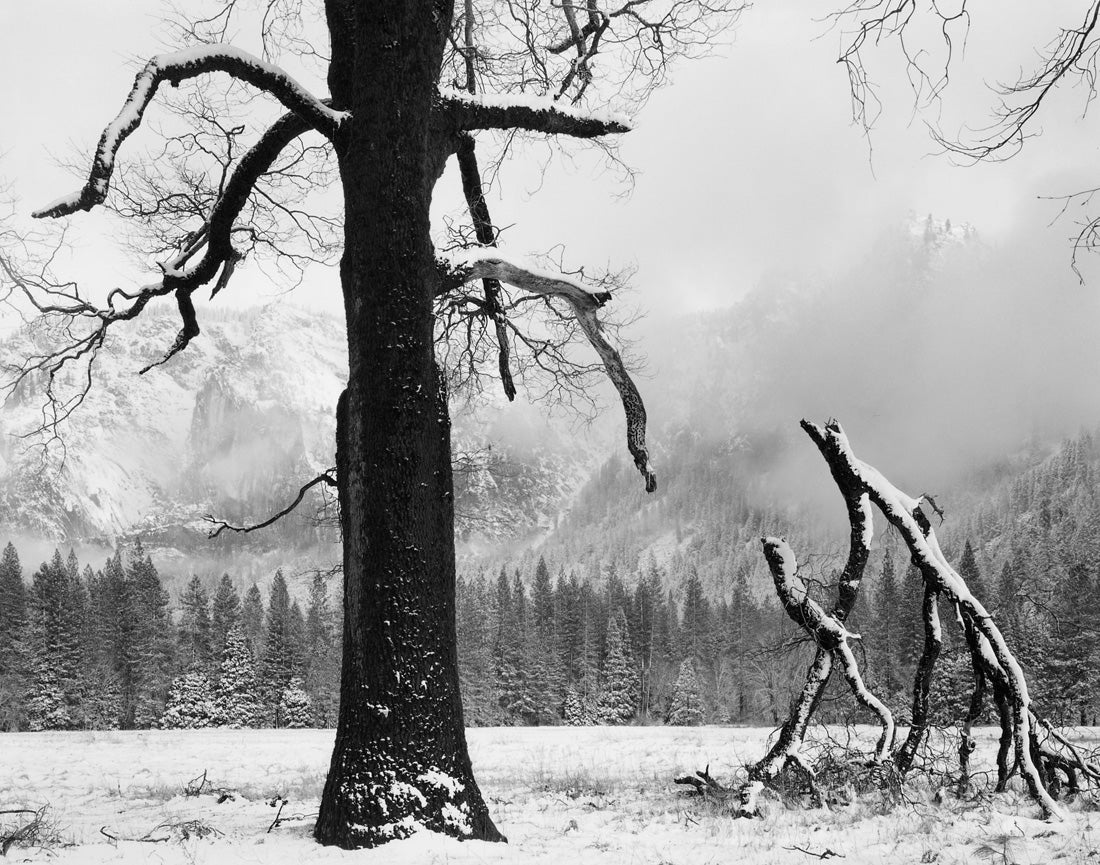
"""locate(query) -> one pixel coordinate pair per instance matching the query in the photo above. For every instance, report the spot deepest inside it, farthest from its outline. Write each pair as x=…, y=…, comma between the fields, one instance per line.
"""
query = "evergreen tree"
x=190, y=702
x=55, y=648
x=195, y=627
x=322, y=669
x=971, y=573
x=236, y=696
x=686, y=709
x=575, y=711
x=886, y=650
x=279, y=661
x=618, y=701
x=252, y=620
x=695, y=620
x=154, y=640
x=13, y=635
x=1071, y=664
x=225, y=612
x=295, y=705
x=113, y=601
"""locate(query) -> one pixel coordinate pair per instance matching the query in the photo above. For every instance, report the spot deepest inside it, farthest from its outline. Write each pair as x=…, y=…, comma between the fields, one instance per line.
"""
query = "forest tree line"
x=108, y=649
x=651, y=642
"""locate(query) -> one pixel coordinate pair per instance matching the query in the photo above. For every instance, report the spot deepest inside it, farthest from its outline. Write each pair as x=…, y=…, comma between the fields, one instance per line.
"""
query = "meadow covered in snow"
x=575, y=795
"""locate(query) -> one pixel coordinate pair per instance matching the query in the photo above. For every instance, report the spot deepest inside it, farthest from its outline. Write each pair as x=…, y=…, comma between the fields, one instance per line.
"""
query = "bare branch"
x=174, y=68
x=181, y=275
x=326, y=477
x=481, y=263
x=467, y=112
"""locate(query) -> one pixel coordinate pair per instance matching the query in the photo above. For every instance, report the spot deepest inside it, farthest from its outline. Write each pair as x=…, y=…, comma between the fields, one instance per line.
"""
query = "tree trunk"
x=401, y=762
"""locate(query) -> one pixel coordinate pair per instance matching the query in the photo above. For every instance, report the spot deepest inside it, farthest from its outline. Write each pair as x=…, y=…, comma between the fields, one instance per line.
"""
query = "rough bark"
x=922, y=681
x=967, y=744
x=400, y=762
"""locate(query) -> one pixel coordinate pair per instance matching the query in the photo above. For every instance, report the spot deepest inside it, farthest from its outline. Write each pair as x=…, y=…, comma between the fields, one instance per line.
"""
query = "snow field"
x=581, y=796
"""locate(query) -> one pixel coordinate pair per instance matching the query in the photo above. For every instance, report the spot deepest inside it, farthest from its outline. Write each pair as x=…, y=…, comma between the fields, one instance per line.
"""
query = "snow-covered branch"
x=174, y=68
x=903, y=512
x=467, y=112
x=465, y=265
x=826, y=631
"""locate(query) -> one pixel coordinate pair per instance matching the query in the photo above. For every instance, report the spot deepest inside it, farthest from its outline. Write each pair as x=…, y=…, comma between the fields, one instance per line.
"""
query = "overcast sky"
x=748, y=163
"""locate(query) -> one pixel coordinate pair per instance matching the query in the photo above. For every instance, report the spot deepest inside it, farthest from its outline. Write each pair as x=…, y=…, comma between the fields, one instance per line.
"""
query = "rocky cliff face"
x=232, y=427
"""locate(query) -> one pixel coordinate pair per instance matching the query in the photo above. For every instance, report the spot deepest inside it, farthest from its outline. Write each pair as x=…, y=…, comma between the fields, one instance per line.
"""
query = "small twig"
x=928, y=497
x=278, y=814
x=824, y=854
x=146, y=839
x=191, y=789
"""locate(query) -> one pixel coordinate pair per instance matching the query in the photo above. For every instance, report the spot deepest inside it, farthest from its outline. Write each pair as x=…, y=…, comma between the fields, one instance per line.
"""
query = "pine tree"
x=686, y=709
x=190, y=703
x=322, y=670
x=295, y=706
x=13, y=636
x=1071, y=664
x=154, y=640
x=252, y=620
x=279, y=661
x=195, y=627
x=618, y=701
x=13, y=610
x=972, y=574
x=236, y=696
x=474, y=620
x=887, y=630
x=575, y=712
x=115, y=614
x=225, y=612
x=55, y=647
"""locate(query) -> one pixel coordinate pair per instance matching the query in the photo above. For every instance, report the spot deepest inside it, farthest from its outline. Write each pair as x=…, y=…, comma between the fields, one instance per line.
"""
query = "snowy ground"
x=562, y=795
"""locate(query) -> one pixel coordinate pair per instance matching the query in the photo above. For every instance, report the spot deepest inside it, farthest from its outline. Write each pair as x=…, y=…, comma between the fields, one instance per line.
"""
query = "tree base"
x=364, y=806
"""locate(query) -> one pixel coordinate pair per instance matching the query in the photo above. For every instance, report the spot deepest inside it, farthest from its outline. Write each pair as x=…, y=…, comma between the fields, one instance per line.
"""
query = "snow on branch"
x=464, y=265
x=174, y=68
x=468, y=112
x=903, y=512
x=827, y=631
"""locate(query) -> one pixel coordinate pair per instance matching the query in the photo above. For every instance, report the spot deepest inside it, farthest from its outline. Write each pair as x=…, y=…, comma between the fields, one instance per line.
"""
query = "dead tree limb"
x=903, y=512
x=922, y=681
x=833, y=641
x=793, y=731
x=221, y=525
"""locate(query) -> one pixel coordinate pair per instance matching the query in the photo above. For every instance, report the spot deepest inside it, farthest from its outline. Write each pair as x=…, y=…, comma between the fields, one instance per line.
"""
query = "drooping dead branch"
x=327, y=478
x=480, y=263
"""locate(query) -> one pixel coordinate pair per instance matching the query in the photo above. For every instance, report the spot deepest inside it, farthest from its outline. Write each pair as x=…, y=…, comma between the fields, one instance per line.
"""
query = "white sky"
x=748, y=162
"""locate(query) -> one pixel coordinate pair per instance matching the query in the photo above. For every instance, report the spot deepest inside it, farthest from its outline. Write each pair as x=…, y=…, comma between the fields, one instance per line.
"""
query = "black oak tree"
x=410, y=85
